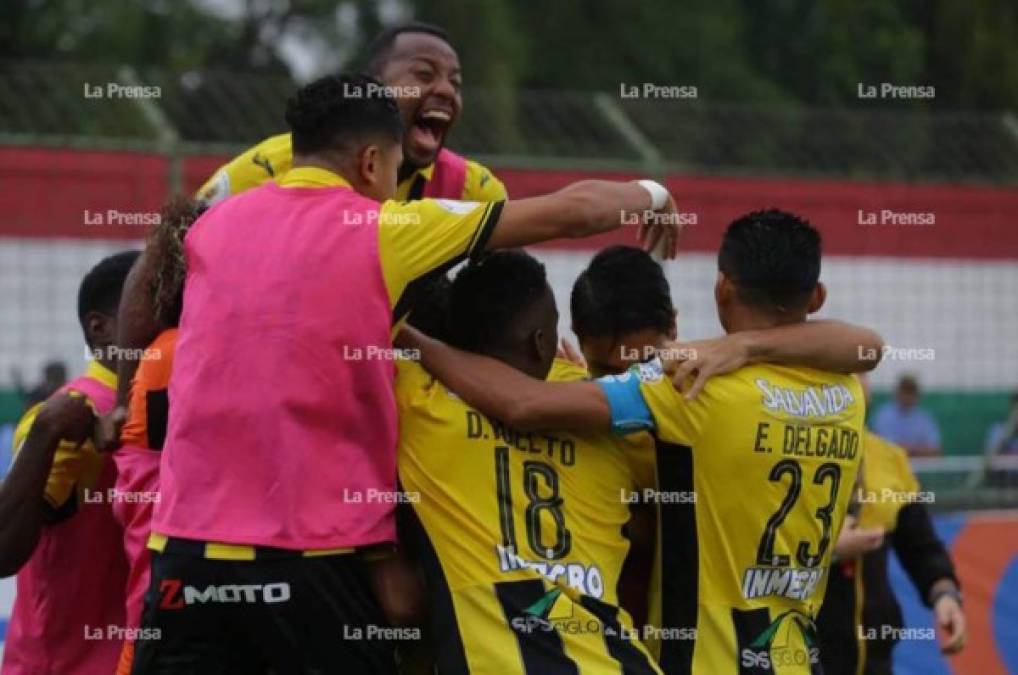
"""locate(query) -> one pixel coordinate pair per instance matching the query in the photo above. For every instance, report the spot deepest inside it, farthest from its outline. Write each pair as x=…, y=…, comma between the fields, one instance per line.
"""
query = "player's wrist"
x=949, y=592
x=658, y=193
x=751, y=348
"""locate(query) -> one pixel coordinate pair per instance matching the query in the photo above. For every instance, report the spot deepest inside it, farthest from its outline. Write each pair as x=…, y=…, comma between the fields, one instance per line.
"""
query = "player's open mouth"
x=428, y=129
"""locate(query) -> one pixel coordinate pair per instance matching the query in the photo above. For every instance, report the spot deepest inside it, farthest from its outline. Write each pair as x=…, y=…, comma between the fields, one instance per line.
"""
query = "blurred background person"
x=54, y=376
x=905, y=422
x=1002, y=438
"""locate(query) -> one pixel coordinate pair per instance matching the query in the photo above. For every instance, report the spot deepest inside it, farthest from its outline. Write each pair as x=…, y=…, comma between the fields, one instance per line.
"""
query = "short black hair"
x=489, y=295
x=430, y=313
x=773, y=258
x=337, y=110
x=100, y=289
x=622, y=290
x=379, y=49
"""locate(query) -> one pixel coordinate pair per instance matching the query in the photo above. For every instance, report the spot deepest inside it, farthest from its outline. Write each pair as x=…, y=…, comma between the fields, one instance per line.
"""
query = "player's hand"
x=71, y=414
x=659, y=234
x=855, y=541
x=568, y=352
x=107, y=429
x=951, y=624
x=407, y=338
x=691, y=364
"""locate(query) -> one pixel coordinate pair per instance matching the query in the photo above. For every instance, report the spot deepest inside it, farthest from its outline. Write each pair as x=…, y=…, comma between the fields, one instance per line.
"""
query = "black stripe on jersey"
x=417, y=287
x=157, y=411
x=840, y=643
x=444, y=629
x=541, y=650
x=485, y=229
x=749, y=624
x=416, y=190
x=619, y=645
x=505, y=499
x=680, y=556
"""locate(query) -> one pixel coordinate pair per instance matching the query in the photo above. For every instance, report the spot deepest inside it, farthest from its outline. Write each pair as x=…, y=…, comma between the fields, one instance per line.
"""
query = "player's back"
x=771, y=454
x=523, y=538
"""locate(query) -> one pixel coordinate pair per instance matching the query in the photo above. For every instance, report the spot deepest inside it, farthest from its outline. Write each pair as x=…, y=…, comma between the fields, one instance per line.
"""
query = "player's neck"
x=519, y=362
x=321, y=161
x=746, y=318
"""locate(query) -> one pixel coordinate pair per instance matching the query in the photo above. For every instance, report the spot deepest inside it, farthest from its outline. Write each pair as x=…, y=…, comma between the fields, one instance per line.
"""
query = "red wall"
x=46, y=193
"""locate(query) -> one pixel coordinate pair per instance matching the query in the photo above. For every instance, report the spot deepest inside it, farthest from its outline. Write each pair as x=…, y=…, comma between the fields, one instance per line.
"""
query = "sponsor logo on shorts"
x=175, y=594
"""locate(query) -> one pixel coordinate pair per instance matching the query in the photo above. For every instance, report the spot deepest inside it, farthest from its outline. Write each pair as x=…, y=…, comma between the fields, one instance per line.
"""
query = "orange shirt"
x=149, y=406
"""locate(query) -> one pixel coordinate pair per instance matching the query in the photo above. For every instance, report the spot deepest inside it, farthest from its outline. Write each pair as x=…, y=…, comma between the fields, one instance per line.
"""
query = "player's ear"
x=723, y=290
x=673, y=328
x=818, y=298
x=370, y=164
x=101, y=328
x=539, y=343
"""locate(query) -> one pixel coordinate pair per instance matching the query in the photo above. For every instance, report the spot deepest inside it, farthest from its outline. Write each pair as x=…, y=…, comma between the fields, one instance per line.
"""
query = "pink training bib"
x=283, y=431
x=68, y=615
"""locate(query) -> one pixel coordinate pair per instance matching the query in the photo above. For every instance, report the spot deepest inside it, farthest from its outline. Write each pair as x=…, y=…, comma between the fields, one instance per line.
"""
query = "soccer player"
x=420, y=67
x=283, y=431
x=770, y=453
x=860, y=622
x=523, y=540
x=137, y=459
x=57, y=530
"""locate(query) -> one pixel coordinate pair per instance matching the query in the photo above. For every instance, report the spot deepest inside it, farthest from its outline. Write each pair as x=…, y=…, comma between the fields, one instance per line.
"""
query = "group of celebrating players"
x=249, y=478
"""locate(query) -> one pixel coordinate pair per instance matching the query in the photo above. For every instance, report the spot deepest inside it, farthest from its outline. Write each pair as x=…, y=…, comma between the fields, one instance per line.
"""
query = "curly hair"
x=165, y=254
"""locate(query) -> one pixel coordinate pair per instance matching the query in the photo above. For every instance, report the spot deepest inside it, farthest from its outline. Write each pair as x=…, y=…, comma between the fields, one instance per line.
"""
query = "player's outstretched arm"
x=825, y=345
x=504, y=393
x=587, y=208
x=22, y=505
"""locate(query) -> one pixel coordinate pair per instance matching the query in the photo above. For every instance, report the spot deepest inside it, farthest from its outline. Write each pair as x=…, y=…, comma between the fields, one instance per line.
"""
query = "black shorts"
x=274, y=616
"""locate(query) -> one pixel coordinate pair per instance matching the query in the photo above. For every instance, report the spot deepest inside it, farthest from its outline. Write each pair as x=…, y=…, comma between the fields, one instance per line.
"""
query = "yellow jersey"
x=273, y=157
x=756, y=476
x=642, y=457
x=76, y=471
x=887, y=483
x=522, y=538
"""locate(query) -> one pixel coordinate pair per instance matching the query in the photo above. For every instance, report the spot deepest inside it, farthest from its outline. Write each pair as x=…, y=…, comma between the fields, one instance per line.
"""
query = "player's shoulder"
x=881, y=449
x=24, y=425
x=799, y=391
x=157, y=361
x=275, y=147
x=564, y=370
x=481, y=184
x=417, y=388
x=268, y=159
